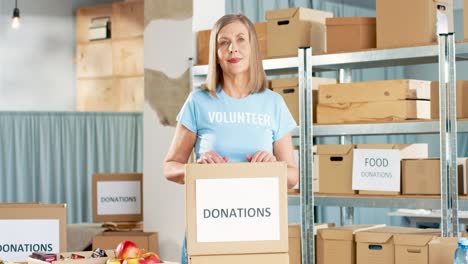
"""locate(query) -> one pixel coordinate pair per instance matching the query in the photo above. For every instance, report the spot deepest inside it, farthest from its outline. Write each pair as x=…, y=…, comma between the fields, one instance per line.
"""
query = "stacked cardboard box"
x=391, y=100
x=350, y=33
x=292, y=28
x=462, y=99
x=237, y=213
x=295, y=240
x=144, y=240
x=288, y=88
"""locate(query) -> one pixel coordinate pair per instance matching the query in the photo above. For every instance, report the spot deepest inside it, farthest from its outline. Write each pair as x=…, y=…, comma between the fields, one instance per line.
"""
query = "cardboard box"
x=373, y=111
x=442, y=250
x=408, y=23
x=294, y=232
x=43, y=226
x=333, y=166
x=350, y=33
x=374, y=91
x=337, y=245
x=462, y=164
x=216, y=225
x=261, y=29
x=407, y=151
x=289, y=29
x=288, y=88
x=118, y=197
x=377, y=246
x=144, y=240
x=462, y=99
x=278, y=258
x=422, y=177
x=412, y=249
x=86, y=254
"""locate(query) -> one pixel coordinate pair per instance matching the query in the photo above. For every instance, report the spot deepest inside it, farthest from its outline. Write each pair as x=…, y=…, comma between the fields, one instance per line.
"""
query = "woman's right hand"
x=210, y=157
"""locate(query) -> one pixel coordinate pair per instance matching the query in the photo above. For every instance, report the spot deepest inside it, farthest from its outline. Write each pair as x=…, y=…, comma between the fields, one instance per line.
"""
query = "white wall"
x=36, y=62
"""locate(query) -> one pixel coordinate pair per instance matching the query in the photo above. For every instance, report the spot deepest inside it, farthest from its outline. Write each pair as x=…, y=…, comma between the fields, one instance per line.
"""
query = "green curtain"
x=50, y=157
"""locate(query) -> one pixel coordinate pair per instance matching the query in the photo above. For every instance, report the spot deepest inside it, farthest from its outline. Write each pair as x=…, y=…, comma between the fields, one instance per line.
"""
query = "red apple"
x=151, y=258
x=134, y=261
x=127, y=249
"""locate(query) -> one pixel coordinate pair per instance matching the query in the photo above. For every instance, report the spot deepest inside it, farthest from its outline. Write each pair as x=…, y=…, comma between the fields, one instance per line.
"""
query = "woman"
x=233, y=117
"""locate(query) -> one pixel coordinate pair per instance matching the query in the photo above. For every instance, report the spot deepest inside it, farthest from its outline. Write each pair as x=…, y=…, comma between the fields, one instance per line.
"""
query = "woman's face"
x=233, y=48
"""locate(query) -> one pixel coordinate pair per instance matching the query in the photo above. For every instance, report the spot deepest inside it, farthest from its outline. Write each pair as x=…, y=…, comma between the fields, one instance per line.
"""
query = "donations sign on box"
x=236, y=208
x=376, y=170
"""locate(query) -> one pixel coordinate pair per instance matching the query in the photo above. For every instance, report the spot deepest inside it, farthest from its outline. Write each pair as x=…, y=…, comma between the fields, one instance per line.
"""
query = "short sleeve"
x=187, y=115
x=284, y=120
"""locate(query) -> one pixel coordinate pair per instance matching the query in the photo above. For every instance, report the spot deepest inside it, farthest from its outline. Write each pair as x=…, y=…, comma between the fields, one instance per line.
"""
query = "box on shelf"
x=277, y=258
x=289, y=29
x=462, y=99
x=294, y=232
x=408, y=23
x=43, y=226
x=377, y=246
x=407, y=151
x=387, y=111
x=219, y=198
x=144, y=240
x=288, y=88
x=422, y=176
x=68, y=255
x=118, y=197
x=374, y=91
x=350, y=33
x=442, y=249
x=333, y=166
x=337, y=245
x=411, y=248
x=261, y=29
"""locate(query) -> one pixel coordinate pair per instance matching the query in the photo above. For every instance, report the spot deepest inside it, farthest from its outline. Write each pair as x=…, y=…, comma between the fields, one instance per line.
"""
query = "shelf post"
x=448, y=136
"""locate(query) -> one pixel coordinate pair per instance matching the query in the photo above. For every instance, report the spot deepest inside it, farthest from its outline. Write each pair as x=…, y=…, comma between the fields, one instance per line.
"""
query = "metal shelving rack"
x=305, y=64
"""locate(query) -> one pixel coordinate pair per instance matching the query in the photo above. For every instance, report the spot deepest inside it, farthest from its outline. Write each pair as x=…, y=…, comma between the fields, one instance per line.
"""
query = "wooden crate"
x=128, y=19
x=128, y=57
x=97, y=95
x=84, y=16
x=94, y=59
x=132, y=94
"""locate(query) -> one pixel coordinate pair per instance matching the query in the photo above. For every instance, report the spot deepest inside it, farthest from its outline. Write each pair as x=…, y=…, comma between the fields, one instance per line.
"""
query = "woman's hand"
x=261, y=156
x=210, y=157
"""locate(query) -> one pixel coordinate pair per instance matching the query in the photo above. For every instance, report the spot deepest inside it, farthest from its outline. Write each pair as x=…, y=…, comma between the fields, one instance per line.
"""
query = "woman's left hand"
x=261, y=156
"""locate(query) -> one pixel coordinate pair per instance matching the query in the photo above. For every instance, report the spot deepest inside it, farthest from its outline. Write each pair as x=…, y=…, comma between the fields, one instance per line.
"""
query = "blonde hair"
x=257, y=82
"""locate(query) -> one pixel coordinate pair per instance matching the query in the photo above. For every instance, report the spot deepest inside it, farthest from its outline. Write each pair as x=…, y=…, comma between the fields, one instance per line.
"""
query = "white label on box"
x=19, y=238
x=376, y=170
x=118, y=197
x=232, y=210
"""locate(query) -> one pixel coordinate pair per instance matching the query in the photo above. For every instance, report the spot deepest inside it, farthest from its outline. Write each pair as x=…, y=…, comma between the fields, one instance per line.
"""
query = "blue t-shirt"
x=235, y=127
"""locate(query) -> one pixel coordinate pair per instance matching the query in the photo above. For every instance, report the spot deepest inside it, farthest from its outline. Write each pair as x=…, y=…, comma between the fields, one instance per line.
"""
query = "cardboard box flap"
x=371, y=237
x=339, y=21
x=384, y=146
x=345, y=232
x=284, y=82
x=333, y=149
x=447, y=2
x=294, y=230
x=383, y=234
x=282, y=13
x=419, y=240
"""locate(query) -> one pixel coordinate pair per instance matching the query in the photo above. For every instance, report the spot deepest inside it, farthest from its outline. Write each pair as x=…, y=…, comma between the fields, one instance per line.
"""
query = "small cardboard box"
x=118, y=197
x=203, y=47
x=32, y=227
x=377, y=246
x=374, y=91
x=277, y=258
x=409, y=23
x=236, y=208
x=412, y=248
x=442, y=250
x=422, y=177
x=87, y=254
x=289, y=29
x=337, y=245
x=350, y=33
x=261, y=29
x=110, y=240
x=407, y=151
x=288, y=88
x=294, y=231
x=333, y=166
x=462, y=99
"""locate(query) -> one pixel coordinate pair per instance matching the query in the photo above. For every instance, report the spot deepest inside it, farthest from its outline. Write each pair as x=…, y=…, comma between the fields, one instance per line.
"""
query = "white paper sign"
x=232, y=210
x=376, y=169
x=118, y=197
x=19, y=238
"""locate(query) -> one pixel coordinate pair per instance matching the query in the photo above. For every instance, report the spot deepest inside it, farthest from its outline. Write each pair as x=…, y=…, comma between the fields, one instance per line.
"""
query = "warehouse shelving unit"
x=306, y=63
